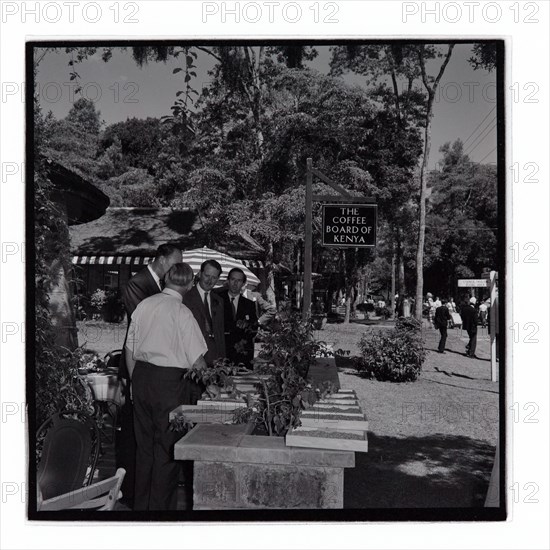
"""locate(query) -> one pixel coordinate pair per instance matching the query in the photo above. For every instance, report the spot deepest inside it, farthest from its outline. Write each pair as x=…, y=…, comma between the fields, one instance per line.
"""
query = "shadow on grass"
x=441, y=371
x=458, y=353
x=436, y=471
x=460, y=387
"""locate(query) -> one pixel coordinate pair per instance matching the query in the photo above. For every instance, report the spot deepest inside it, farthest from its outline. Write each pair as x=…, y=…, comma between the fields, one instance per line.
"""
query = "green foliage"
x=216, y=377
x=140, y=142
x=291, y=344
x=57, y=381
x=395, y=355
x=287, y=352
x=83, y=114
x=180, y=423
x=462, y=220
x=282, y=398
x=484, y=56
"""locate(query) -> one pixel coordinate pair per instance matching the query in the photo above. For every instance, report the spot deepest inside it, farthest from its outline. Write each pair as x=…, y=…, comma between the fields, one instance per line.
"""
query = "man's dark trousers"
x=443, y=339
x=156, y=391
x=471, y=346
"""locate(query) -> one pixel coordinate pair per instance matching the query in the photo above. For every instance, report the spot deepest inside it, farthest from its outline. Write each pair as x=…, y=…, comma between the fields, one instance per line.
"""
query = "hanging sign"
x=473, y=283
x=349, y=225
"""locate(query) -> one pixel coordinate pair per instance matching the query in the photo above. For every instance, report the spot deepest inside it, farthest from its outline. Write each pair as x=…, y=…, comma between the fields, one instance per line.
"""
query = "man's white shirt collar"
x=155, y=276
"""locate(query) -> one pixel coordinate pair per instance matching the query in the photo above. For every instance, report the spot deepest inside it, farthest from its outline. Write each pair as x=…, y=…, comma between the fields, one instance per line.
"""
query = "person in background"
x=451, y=305
x=164, y=340
x=145, y=283
x=431, y=307
x=441, y=322
x=265, y=310
x=149, y=280
x=483, y=313
x=469, y=323
x=240, y=320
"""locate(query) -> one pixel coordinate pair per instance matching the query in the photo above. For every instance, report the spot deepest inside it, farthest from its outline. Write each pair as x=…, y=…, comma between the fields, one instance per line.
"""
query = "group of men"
x=174, y=326
x=469, y=323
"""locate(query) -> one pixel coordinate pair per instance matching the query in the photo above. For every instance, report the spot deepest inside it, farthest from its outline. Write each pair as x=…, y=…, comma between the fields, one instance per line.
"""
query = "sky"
x=465, y=106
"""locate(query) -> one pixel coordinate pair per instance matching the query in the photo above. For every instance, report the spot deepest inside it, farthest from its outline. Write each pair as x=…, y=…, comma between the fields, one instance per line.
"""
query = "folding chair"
x=100, y=496
x=69, y=443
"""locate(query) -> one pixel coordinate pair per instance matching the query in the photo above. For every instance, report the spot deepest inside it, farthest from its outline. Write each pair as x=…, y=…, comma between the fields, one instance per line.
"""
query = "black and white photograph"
x=265, y=280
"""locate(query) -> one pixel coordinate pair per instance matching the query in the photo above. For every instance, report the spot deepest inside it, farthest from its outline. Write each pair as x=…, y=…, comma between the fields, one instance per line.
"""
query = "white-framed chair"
x=99, y=496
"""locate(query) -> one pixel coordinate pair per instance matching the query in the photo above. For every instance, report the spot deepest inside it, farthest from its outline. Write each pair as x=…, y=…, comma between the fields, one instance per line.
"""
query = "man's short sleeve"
x=131, y=336
x=193, y=340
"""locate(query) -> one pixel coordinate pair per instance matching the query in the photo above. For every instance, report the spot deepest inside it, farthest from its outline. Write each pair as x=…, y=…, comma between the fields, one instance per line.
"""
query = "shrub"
x=291, y=343
x=395, y=355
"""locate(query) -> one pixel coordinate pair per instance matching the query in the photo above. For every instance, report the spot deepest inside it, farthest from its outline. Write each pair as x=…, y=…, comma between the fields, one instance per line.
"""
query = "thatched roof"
x=140, y=231
x=83, y=201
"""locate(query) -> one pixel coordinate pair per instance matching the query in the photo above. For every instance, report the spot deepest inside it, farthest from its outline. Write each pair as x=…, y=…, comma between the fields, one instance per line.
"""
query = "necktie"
x=233, y=308
x=208, y=316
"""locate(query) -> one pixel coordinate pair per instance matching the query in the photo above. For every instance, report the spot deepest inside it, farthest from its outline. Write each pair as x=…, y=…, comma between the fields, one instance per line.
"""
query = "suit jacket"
x=140, y=286
x=442, y=316
x=469, y=318
x=246, y=311
x=216, y=345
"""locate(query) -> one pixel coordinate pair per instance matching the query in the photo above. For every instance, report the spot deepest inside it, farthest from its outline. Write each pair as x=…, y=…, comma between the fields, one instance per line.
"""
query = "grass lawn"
x=431, y=442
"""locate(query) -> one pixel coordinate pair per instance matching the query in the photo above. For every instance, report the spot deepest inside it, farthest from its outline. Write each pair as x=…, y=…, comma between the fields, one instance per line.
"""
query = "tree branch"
x=209, y=52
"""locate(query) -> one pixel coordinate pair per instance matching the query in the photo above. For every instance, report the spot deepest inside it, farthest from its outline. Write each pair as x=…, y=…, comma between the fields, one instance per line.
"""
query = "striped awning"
x=197, y=256
x=139, y=260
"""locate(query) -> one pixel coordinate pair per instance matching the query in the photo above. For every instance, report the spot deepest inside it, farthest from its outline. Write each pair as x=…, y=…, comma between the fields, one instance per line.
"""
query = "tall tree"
x=431, y=85
x=462, y=220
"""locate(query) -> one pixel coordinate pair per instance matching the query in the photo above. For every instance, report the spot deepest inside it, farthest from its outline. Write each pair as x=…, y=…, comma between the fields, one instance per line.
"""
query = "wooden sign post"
x=359, y=215
x=493, y=321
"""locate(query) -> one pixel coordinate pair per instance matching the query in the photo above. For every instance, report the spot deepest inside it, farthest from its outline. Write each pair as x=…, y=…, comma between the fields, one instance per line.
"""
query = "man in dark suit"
x=441, y=322
x=469, y=323
x=241, y=321
x=145, y=283
x=207, y=308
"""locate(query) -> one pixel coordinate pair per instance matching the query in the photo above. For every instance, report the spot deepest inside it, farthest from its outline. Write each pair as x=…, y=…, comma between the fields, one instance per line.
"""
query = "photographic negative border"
x=345, y=515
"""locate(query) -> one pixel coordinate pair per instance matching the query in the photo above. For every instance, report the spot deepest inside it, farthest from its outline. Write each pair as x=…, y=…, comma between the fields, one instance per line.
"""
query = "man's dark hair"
x=212, y=263
x=237, y=270
x=166, y=250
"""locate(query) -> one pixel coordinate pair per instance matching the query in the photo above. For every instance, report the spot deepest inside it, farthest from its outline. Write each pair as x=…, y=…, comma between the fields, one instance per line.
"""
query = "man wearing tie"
x=207, y=308
x=241, y=321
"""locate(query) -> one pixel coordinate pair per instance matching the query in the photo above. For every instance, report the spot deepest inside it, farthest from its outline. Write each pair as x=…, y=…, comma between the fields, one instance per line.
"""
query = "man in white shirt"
x=143, y=284
x=164, y=340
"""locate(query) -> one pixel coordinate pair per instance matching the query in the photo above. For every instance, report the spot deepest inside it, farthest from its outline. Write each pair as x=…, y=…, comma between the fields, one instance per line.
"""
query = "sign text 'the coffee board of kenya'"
x=349, y=225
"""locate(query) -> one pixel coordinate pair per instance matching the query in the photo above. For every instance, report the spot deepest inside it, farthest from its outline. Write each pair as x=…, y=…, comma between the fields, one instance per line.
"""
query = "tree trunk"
x=392, y=297
x=254, y=57
x=422, y=215
x=423, y=175
x=270, y=290
x=400, y=261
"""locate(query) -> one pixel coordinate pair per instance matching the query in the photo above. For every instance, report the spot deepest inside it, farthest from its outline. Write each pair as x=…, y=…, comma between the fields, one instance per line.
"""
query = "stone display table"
x=235, y=470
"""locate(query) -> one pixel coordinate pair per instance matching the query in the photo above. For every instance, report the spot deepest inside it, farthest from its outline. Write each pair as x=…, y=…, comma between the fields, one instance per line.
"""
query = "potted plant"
x=98, y=299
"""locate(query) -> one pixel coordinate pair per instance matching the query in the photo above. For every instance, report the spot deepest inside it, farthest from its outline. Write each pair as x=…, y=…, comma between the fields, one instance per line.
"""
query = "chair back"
x=100, y=496
x=69, y=454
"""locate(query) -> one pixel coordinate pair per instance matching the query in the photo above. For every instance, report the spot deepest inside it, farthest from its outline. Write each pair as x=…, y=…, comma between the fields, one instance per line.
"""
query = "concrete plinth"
x=234, y=470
